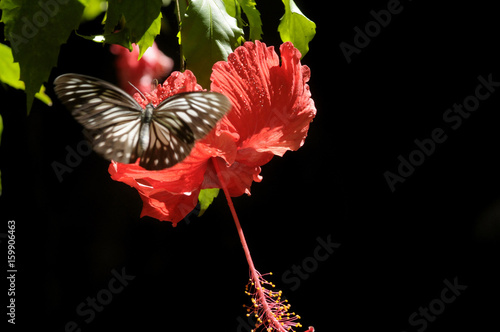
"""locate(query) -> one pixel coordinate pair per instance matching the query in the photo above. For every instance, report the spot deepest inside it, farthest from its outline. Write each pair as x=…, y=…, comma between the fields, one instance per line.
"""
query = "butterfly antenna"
x=143, y=96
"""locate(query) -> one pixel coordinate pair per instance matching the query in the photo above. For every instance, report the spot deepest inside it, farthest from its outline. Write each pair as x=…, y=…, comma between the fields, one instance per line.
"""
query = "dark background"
x=396, y=248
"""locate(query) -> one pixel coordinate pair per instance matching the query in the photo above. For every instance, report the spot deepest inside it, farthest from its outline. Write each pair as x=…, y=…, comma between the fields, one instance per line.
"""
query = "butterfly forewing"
x=120, y=129
x=79, y=93
x=111, y=116
x=199, y=111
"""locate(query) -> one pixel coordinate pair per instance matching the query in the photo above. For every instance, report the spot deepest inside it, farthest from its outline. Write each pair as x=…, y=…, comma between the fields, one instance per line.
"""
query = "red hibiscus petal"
x=272, y=102
x=166, y=206
x=168, y=194
x=177, y=82
x=181, y=178
x=237, y=176
x=272, y=106
x=244, y=78
x=292, y=103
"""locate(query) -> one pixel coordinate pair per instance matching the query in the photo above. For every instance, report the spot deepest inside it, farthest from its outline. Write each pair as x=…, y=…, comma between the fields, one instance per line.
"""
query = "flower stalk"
x=269, y=309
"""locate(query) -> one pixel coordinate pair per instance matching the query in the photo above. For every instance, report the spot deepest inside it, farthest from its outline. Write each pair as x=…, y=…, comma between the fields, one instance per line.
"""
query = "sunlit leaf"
x=10, y=73
x=149, y=36
x=93, y=9
x=253, y=16
x=296, y=28
x=40, y=95
x=206, y=198
x=233, y=8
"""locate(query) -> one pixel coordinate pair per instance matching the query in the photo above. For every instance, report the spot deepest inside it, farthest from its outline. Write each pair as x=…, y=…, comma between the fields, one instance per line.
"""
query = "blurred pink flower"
x=154, y=64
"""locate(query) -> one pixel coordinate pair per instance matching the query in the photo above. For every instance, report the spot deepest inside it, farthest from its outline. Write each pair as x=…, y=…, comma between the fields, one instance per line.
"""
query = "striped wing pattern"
x=122, y=131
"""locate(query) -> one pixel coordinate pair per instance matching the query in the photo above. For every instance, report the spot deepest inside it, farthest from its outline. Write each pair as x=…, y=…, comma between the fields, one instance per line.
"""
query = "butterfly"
x=123, y=131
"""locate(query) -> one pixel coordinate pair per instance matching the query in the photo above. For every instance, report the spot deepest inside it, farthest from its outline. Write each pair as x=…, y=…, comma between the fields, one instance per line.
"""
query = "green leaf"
x=137, y=22
x=253, y=16
x=234, y=7
x=149, y=36
x=10, y=73
x=209, y=34
x=206, y=197
x=93, y=9
x=36, y=30
x=296, y=28
x=40, y=95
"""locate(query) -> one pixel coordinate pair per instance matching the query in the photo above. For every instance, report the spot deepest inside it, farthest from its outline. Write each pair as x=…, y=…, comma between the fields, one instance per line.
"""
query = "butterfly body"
x=123, y=131
x=146, y=118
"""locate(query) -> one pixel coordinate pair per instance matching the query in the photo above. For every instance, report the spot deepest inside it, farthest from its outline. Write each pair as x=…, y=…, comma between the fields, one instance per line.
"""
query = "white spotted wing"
x=123, y=131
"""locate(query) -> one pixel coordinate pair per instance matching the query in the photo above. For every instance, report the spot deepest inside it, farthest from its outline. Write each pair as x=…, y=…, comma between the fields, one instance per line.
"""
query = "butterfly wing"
x=178, y=122
x=110, y=115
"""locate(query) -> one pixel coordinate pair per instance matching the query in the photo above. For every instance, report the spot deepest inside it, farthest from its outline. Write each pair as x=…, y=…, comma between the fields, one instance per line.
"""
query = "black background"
x=396, y=248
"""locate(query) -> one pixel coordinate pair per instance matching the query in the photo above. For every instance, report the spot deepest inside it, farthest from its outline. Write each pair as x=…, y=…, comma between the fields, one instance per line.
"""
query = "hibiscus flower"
x=272, y=109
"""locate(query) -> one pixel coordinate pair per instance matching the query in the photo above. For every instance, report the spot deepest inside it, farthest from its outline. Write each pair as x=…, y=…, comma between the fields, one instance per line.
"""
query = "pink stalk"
x=268, y=316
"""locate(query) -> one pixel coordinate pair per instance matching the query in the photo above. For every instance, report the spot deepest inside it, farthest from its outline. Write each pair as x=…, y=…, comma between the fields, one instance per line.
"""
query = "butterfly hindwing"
x=178, y=122
x=199, y=111
x=165, y=149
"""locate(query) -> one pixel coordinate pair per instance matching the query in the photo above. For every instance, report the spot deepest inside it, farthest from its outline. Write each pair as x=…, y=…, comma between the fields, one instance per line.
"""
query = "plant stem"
x=179, y=23
x=253, y=272
x=235, y=217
